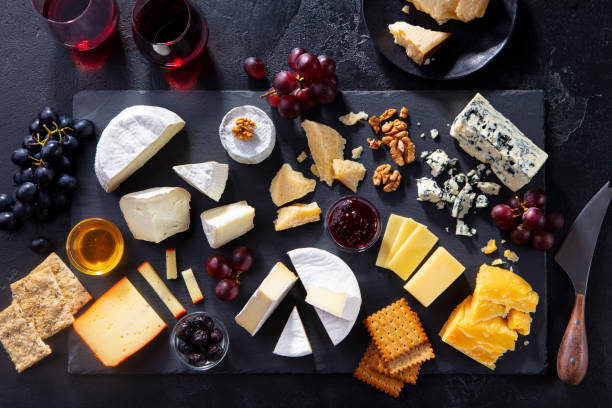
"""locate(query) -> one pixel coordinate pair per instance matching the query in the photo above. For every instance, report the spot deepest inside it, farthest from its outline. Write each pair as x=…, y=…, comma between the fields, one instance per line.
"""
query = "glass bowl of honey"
x=95, y=246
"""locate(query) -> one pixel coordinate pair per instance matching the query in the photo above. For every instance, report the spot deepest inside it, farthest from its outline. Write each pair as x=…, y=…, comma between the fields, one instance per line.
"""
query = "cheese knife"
x=575, y=256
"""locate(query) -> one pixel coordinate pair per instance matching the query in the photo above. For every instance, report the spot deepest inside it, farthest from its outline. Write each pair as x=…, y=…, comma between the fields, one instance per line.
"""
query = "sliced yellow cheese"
x=147, y=272
x=328, y=300
x=420, y=43
x=118, y=324
x=192, y=286
x=391, y=230
x=171, y=270
x=504, y=287
x=519, y=321
x=406, y=229
x=349, y=173
x=434, y=277
x=325, y=145
x=295, y=215
x=411, y=252
x=288, y=185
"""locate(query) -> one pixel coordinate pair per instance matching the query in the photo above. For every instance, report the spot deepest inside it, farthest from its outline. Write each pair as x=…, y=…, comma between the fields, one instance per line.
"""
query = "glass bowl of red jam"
x=353, y=224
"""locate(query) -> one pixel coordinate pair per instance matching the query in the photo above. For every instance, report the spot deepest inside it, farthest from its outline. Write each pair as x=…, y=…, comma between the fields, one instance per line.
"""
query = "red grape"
x=285, y=82
x=333, y=79
x=328, y=66
x=293, y=56
x=535, y=198
x=307, y=65
x=506, y=225
x=272, y=98
x=307, y=99
x=520, y=235
x=227, y=290
x=254, y=67
x=512, y=202
x=242, y=259
x=554, y=221
x=533, y=219
x=289, y=107
x=218, y=267
x=324, y=90
x=542, y=240
x=501, y=213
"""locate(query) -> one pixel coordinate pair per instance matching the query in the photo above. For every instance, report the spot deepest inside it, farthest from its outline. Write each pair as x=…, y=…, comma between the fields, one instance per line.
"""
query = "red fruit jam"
x=353, y=223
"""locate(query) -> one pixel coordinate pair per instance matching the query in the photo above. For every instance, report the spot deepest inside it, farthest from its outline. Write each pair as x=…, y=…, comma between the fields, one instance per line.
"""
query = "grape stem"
x=520, y=207
x=36, y=162
x=268, y=93
x=236, y=277
x=61, y=131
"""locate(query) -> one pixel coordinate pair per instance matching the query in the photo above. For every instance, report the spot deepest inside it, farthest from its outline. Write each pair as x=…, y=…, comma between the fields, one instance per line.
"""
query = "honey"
x=95, y=246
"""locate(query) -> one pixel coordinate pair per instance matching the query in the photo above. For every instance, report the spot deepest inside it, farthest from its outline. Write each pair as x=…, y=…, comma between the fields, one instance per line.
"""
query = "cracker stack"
x=44, y=302
x=398, y=348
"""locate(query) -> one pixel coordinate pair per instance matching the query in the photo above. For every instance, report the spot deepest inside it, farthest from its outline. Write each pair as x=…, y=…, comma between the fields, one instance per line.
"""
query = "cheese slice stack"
x=293, y=341
x=420, y=43
x=130, y=139
x=208, y=177
x=266, y=298
x=118, y=324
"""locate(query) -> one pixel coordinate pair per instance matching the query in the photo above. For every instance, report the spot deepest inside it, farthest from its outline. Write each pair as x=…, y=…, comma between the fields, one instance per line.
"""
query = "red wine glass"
x=81, y=25
x=169, y=33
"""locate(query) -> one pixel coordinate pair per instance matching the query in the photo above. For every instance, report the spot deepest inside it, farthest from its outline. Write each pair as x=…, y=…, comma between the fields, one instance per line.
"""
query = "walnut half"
x=389, y=180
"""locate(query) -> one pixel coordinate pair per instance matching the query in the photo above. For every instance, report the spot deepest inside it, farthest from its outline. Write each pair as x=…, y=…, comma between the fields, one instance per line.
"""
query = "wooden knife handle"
x=573, y=357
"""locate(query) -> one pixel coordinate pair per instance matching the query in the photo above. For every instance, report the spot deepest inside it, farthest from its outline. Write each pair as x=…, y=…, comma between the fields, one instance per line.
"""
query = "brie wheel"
x=252, y=151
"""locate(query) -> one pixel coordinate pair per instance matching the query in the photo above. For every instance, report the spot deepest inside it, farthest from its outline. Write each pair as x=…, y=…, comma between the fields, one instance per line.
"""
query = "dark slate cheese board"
x=199, y=141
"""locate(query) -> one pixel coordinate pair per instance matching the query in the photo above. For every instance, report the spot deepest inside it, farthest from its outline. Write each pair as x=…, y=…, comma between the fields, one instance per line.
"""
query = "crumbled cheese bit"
x=303, y=156
x=427, y=61
x=440, y=205
x=447, y=230
x=497, y=261
x=434, y=133
x=490, y=247
x=503, y=241
x=511, y=255
x=424, y=154
x=526, y=343
x=406, y=9
x=352, y=118
x=463, y=229
x=314, y=170
x=419, y=124
x=448, y=125
x=356, y=152
x=422, y=135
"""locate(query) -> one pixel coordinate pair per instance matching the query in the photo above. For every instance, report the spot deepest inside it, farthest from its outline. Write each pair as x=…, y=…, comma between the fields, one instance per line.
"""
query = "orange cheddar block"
x=504, y=287
x=192, y=286
x=147, y=272
x=519, y=321
x=118, y=324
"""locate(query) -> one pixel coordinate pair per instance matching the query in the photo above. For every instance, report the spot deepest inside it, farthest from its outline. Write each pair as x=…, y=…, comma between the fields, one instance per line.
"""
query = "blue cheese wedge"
x=428, y=190
x=485, y=134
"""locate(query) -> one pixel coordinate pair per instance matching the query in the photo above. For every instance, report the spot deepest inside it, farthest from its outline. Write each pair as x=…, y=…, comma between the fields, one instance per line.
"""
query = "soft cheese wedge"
x=130, y=139
x=420, y=43
x=158, y=285
x=157, y=213
x=487, y=135
x=266, y=298
x=293, y=341
x=295, y=215
x=118, y=324
x=349, y=173
x=228, y=222
x=209, y=178
x=325, y=145
x=288, y=185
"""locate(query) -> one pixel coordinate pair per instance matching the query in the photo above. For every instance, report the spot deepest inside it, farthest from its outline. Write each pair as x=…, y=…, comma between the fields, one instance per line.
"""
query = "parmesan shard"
x=288, y=185
x=325, y=145
x=349, y=173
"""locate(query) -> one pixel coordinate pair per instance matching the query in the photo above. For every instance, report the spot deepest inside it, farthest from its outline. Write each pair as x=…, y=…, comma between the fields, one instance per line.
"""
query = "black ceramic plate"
x=471, y=46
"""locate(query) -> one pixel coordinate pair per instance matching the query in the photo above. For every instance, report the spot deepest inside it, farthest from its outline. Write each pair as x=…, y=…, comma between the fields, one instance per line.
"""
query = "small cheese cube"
x=228, y=222
x=192, y=286
x=412, y=252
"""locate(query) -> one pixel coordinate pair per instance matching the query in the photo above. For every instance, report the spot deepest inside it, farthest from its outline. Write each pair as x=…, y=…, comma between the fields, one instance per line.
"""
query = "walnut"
x=400, y=145
x=373, y=143
x=403, y=113
x=384, y=176
x=375, y=123
x=387, y=114
x=244, y=129
x=395, y=127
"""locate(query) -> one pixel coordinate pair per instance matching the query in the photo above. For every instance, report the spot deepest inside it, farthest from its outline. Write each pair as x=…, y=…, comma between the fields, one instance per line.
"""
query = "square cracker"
x=418, y=355
x=74, y=292
x=20, y=339
x=42, y=302
x=388, y=385
x=408, y=375
x=395, y=330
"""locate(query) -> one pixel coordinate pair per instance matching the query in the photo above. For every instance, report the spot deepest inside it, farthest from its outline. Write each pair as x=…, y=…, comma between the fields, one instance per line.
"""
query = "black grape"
x=44, y=176
x=6, y=201
x=23, y=211
x=8, y=221
x=26, y=192
x=20, y=156
x=84, y=129
x=52, y=150
x=48, y=116
x=66, y=183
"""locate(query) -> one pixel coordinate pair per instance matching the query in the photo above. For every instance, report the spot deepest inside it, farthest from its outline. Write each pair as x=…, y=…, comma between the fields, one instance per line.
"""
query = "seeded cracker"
x=74, y=292
x=386, y=384
x=42, y=302
x=20, y=339
x=408, y=375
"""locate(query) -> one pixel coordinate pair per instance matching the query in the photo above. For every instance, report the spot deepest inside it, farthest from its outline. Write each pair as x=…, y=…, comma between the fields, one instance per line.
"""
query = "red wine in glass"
x=169, y=33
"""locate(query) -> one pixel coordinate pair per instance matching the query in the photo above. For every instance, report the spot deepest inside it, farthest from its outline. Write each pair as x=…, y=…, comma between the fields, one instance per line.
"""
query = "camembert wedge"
x=349, y=173
x=325, y=145
x=295, y=215
x=420, y=43
x=288, y=185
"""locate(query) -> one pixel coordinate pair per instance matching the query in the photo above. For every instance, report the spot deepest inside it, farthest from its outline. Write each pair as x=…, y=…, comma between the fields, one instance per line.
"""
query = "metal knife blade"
x=576, y=251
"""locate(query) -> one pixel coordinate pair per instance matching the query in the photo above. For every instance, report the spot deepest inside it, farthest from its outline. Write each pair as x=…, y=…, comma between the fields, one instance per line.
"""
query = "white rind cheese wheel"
x=252, y=151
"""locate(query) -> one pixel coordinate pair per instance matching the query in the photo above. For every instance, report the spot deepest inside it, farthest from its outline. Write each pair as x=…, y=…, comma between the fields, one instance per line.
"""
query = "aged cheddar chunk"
x=410, y=254
x=484, y=310
x=325, y=145
x=434, y=277
x=118, y=324
x=501, y=286
x=420, y=43
x=349, y=173
x=295, y=215
x=519, y=321
x=289, y=185
x=147, y=272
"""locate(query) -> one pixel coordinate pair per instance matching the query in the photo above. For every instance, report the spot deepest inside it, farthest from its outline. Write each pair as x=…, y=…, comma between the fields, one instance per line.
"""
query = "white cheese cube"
x=225, y=223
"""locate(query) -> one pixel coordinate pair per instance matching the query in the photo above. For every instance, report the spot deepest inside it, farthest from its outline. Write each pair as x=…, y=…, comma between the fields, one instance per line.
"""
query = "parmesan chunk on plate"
x=420, y=43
